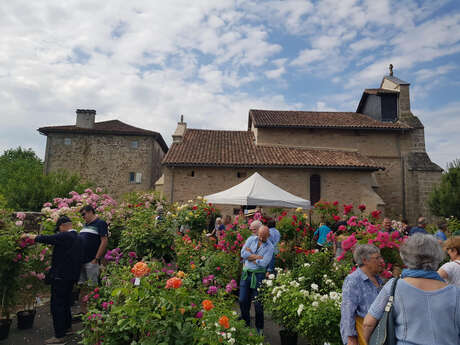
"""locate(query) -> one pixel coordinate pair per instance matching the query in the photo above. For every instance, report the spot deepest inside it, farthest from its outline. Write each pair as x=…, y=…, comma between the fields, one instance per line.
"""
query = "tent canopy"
x=256, y=190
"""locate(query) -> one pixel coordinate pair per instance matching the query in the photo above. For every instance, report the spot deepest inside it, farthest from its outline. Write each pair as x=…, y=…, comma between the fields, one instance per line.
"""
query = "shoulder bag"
x=384, y=333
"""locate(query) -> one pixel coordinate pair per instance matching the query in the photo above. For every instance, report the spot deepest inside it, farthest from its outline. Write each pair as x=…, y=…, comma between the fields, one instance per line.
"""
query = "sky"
x=147, y=62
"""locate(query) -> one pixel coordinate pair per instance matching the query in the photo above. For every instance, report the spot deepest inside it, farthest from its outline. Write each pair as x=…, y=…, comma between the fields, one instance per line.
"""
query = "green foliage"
x=151, y=314
x=9, y=265
x=25, y=187
x=147, y=236
x=445, y=199
x=307, y=299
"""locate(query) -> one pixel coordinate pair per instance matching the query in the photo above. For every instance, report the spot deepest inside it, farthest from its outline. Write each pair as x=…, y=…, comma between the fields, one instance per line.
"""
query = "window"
x=241, y=174
x=315, y=189
x=134, y=144
x=67, y=141
x=135, y=177
x=191, y=173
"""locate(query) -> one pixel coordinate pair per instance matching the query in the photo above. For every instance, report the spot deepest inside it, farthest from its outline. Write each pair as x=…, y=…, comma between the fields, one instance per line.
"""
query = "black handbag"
x=384, y=333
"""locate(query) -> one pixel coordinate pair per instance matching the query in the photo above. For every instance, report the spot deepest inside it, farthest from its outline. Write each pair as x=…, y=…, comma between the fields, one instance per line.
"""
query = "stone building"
x=111, y=154
x=374, y=156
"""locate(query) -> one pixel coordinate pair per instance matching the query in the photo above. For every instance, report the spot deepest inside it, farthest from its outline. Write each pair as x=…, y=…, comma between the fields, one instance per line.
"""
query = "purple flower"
x=132, y=255
x=212, y=290
x=199, y=315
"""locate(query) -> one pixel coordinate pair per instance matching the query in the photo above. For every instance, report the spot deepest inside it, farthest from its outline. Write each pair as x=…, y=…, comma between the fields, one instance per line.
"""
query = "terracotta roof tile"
x=112, y=127
x=237, y=149
x=318, y=119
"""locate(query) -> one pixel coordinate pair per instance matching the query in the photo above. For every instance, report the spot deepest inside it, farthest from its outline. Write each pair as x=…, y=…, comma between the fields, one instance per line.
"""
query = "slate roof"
x=111, y=127
x=207, y=148
x=318, y=119
x=396, y=80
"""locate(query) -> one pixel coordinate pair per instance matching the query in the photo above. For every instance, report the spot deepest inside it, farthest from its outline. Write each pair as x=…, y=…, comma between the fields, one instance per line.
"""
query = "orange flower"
x=193, y=266
x=182, y=310
x=140, y=269
x=173, y=282
x=223, y=321
x=180, y=274
x=207, y=304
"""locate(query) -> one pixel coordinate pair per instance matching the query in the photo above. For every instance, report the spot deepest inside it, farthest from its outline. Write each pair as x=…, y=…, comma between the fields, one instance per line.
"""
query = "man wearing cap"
x=65, y=269
x=257, y=253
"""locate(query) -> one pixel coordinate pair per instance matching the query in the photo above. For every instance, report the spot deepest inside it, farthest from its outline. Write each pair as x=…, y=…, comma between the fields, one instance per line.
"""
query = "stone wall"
x=369, y=143
x=346, y=186
x=106, y=160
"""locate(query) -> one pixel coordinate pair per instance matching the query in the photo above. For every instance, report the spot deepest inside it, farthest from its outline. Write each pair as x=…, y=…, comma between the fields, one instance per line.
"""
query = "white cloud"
x=441, y=132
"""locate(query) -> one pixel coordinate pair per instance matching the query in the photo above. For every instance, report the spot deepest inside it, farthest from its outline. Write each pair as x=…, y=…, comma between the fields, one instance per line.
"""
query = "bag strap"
x=391, y=298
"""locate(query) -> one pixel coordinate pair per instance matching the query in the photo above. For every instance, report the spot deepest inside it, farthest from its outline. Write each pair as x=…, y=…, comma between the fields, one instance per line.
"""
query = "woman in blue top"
x=426, y=309
x=322, y=232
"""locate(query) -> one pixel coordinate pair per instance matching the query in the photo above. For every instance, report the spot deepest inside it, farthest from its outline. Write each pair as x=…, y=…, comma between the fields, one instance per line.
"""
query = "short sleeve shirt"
x=91, y=235
x=452, y=269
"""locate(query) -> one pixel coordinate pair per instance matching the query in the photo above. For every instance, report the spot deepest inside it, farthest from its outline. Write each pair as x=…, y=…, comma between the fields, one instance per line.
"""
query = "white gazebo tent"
x=256, y=190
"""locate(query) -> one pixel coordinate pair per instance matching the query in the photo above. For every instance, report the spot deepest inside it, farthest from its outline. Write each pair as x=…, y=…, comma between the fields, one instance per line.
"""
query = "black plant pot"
x=26, y=318
x=4, y=328
x=287, y=337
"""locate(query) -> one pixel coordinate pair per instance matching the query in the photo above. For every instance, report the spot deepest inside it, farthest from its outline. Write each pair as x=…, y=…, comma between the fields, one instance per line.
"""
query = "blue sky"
x=147, y=62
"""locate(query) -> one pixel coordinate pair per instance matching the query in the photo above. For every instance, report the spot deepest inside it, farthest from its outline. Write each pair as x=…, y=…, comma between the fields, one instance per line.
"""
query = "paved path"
x=43, y=329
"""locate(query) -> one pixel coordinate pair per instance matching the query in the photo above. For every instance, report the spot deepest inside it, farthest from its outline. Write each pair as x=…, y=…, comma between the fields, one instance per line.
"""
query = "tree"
x=445, y=199
x=24, y=185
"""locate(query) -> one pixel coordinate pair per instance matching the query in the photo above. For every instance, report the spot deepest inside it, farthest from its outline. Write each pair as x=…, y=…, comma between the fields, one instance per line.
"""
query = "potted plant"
x=10, y=259
x=35, y=263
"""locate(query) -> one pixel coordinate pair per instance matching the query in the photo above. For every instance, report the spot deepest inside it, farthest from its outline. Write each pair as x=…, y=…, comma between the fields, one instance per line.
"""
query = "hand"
x=26, y=236
x=254, y=257
x=352, y=341
x=248, y=250
x=95, y=261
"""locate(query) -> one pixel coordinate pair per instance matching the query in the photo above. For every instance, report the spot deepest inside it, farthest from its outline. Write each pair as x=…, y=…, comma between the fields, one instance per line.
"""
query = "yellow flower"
x=298, y=209
x=180, y=274
x=305, y=215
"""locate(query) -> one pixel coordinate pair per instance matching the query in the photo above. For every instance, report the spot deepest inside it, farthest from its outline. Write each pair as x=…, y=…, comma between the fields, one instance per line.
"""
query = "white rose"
x=315, y=304
x=324, y=298
x=314, y=286
x=269, y=282
x=231, y=341
x=299, y=310
x=271, y=276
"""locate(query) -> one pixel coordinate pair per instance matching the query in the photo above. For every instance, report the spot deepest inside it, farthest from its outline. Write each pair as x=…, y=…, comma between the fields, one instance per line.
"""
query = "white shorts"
x=89, y=273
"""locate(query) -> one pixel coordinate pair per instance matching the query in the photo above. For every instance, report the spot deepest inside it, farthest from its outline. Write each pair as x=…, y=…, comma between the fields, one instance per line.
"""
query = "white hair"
x=422, y=252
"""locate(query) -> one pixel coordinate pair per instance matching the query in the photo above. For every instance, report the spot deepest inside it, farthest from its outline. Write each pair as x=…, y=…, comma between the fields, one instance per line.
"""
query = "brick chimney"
x=85, y=118
x=180, y=130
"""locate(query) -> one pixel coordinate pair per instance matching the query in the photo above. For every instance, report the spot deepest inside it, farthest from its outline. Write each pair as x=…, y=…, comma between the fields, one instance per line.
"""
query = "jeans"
x=271, y=265
x=246, y=296
x=61, y=301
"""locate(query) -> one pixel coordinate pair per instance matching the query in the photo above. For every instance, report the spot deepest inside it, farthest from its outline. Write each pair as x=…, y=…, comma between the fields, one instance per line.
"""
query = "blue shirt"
x=323, y=230
x=265, y=250
x=91, y=235
x=422, y=317
x=417, y=229
x=440, y=235
x=358, y=293
x=274, y=238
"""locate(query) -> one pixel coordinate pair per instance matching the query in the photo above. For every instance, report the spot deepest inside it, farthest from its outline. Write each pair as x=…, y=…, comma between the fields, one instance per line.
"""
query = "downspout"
x=403, y=177
x=171, y=196
x=47, y=157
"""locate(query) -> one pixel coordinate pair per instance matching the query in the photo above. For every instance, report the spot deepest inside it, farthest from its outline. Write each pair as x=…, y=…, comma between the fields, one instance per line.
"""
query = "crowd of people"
x=426, y=299
x=426, y=302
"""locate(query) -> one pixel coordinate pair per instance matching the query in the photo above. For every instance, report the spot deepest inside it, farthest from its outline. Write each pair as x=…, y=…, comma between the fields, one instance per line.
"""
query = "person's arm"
x=254, y=257
x=369, y=325
x=444, y=270
x=246, y=251
x=266, y=257
x=377, y=309
x=350, y=300
x=46, y=239
x=101, y=249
